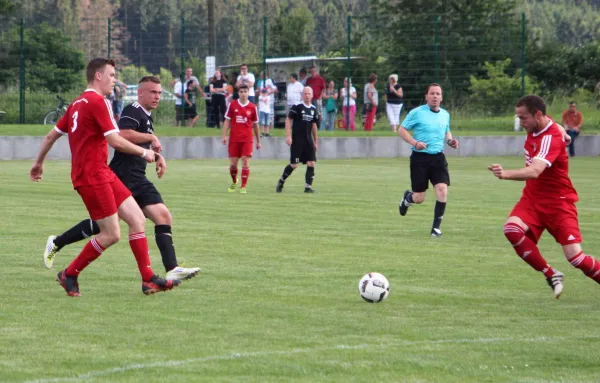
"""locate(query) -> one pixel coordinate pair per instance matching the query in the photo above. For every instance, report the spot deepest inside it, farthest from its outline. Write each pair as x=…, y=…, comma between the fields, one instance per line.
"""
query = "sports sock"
x=233, y=171
x=287, y=172
x=164, y=241
x=409, y=198
x=438, y=213
x=139, y=247
x=589, y=265
x=90, y=252
x=245, y=175
x=527, y=249
x=310, y=176
x=82, y=230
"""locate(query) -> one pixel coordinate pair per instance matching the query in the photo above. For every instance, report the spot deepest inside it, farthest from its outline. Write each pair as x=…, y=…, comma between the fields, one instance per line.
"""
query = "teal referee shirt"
x=429, y=127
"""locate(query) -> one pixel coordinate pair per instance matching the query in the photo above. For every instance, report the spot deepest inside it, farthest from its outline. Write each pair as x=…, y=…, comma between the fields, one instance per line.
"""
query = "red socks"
x=245, y=175
x=587, y=264
x=90, y=252
x=526, y=249
x=233, y=171
x=139, y=247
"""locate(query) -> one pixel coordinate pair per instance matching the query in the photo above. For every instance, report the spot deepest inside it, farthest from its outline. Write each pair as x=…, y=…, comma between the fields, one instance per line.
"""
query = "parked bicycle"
x=54, y=115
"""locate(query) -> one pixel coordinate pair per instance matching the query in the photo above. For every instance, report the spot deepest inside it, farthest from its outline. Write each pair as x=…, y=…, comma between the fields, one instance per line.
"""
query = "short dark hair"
x=312, y=66
x=244, y=65
x=302, y=70
x=533, y=104
x=432, y=85
x=372, y=77
x=153, y=79
x=95, y=65
x=294, y=75
x=243, y=86
x=572, y=103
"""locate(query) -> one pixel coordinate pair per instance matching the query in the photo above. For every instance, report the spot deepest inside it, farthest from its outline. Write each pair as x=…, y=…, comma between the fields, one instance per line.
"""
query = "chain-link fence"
x=479, y=59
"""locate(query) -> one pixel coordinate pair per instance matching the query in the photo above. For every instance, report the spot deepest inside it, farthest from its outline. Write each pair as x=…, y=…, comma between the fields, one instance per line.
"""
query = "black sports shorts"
x=426, y=167
x=302, y=152
x=144, y=192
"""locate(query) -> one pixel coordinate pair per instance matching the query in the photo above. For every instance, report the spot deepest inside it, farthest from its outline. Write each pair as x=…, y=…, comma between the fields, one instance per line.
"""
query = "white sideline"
x=173, y=363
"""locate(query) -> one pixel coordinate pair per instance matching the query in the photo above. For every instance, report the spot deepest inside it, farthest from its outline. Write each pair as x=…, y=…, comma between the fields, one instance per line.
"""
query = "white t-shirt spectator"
x=268, y=84
x=294, y=93
x=263, y=104
x=249, y=78
x=178, y=89
x=345, y=97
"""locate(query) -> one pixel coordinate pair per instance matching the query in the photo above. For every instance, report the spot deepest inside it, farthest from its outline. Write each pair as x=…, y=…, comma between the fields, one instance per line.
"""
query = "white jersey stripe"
x=112, y=117
x=227, y=111
x=59, y=131
x=545, y=147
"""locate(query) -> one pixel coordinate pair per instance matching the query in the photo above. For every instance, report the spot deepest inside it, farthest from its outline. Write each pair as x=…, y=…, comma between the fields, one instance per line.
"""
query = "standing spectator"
x=189, y=77
x=210, y=121
x=330, y=97
x=317, y=83
x=264, y=109
x=572, y=119
x=234, y=94
x=246, y=78
x=393, y=101
x=118, y=101
x=190, y=107
x=348, y=104
x=271, y=90
x=371, y=102
x=294, y=92
x=302, y=73
x=178, y=90
x=218, y=88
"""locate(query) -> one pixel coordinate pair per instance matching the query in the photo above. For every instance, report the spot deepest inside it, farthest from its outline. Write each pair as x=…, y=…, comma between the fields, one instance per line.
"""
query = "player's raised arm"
x=527, y=173
x=450, y=141
x=122, y=145
x=35, y=174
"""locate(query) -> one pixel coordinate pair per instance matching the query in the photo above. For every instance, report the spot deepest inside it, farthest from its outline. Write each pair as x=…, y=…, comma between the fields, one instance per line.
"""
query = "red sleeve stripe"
x=112, y=117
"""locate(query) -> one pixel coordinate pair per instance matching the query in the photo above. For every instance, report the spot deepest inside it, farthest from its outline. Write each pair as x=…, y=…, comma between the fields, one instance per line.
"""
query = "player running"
x=242, y=118
x=548, y=200
x=136, y=126
x=90, y=125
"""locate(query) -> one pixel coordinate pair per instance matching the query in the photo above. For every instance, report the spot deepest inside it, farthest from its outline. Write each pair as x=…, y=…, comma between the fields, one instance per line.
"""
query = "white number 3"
x=75, y=121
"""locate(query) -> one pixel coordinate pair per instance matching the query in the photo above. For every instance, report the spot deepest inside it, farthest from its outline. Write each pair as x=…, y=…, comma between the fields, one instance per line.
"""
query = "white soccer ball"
x=374, y=287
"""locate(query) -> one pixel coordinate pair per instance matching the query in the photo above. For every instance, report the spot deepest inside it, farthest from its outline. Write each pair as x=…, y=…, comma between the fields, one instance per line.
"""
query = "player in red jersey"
x=548, y=200
x=242, y=118
x=90, y=125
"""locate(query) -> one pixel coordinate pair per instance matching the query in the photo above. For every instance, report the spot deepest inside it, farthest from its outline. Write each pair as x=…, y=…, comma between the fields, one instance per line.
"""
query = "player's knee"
x=418, y=198
x=514, y=233
x=109, y=237
x=294, y=166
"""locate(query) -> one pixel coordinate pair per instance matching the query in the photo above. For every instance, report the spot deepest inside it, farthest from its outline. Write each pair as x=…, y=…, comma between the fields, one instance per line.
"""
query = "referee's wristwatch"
x=449, y=142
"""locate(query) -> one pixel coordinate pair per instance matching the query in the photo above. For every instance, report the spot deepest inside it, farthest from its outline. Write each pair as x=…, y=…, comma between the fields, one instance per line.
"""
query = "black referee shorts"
x=426, y=167
x=144, y=192
x=302, y=152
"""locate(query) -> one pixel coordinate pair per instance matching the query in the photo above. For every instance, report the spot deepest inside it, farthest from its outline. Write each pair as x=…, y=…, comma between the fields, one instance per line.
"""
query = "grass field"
x=277, y=299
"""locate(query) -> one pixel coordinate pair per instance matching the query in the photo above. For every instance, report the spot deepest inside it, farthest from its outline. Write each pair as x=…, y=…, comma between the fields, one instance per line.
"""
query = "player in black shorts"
x=301, y=134
x=135, y=125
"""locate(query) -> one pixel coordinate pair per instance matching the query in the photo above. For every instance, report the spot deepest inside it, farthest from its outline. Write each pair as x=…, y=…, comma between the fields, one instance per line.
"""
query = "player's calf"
x=527, y=249
x=588, y=265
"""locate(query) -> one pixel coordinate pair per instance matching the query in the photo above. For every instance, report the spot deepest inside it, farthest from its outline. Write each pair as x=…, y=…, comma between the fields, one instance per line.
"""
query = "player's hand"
x=35, y=174
x=316, y=147
x=497, y=170
x=258, y=146
x=420, y=145
x=224, y=140
x=288, y=140
x=161, y=166
x=156, y=146
x=453, y=143
x=567, y=138
x=150, y=156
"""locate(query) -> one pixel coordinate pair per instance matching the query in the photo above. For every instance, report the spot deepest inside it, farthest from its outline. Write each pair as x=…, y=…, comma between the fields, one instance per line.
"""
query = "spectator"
x=246, y=78
x=189, y=77
x=118, y=101
x=294, y=92
x=210, y=121
x=233, y=95
x=371, y=102
x=271, y=90
x=178, y=91
x=330, y=97
x=572, y=119
x=393, y=101
x=302, y=73
x=317, y=83
x=264, y=109
x=218, y=88
x=190, y=101
x=348, y=104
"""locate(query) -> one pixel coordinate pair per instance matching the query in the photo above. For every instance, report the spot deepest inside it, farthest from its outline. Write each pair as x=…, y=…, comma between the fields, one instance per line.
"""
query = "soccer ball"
x=374, y=287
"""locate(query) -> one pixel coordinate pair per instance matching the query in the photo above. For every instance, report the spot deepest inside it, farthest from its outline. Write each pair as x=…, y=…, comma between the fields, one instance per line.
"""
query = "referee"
x=431, y=128
x=301, y=135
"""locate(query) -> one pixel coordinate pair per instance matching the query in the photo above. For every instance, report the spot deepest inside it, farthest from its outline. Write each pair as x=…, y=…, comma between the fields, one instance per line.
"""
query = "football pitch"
x=277, y=298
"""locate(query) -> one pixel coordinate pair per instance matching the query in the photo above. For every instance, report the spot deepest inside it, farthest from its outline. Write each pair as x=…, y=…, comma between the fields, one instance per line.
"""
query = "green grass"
x=277, y=299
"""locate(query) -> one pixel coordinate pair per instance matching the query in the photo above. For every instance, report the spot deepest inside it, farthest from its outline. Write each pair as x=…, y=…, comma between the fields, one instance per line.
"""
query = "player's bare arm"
x=141, y=138
x=450, y=141
x=408, y=138
x=225, y=131
x=257, y=135
x=566, y=137
x=122, y=145
x=161, y=165
x=35, y=174
x=527, y=173
x=288, y=131
x=314, y=134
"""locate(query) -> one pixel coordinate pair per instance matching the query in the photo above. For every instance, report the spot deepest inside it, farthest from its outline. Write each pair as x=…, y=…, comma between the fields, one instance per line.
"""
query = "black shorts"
x=178, y=112
x=302, y=152
x=190, y=112
x=144, y=192
x=426, y=167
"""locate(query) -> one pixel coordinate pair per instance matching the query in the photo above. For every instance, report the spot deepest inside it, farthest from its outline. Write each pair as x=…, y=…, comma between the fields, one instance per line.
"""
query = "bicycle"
x=53, y=116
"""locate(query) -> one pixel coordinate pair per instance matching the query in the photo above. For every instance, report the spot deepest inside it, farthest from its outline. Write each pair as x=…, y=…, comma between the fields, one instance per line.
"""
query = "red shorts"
x=558, y=217
x=240, y=149
x=103, y=200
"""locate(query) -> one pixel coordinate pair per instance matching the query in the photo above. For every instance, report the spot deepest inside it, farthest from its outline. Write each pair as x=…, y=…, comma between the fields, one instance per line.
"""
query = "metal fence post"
x=22, y=73
x=264, y=51
x=348, y=73
x=436, y=43
x=181, y=74
x=523, y=52
x=108, y=37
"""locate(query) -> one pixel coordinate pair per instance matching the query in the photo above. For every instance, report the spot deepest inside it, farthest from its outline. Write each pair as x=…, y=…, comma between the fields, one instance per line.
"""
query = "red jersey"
x=554, y=182
x=241, y=117
x=317, y=83
x=89, y=119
